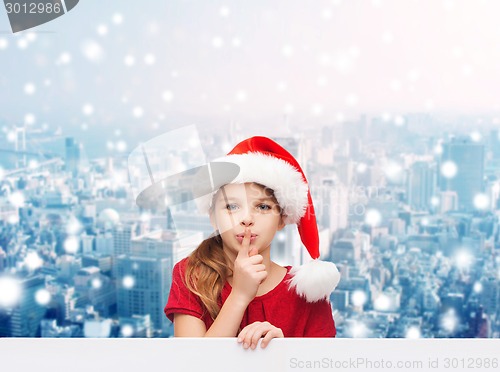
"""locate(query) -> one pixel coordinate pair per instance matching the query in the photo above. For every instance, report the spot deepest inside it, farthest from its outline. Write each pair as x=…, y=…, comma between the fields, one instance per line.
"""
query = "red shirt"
x=281, y=306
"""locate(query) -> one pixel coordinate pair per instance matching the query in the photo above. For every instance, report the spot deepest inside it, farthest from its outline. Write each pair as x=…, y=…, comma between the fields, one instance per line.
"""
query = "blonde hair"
x=206, y=273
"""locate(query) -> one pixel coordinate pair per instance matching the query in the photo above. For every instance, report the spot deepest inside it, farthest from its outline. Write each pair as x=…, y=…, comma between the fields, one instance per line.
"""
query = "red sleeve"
x=320, y=322
x=181, y=300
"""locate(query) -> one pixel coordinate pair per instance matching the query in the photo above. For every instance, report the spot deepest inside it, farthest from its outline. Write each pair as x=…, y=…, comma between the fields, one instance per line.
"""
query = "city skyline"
x=418, y=258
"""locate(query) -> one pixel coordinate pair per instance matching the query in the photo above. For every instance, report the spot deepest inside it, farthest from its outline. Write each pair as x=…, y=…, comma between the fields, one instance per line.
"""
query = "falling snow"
x=88, y=109
x=43, y=297
x=10, y=292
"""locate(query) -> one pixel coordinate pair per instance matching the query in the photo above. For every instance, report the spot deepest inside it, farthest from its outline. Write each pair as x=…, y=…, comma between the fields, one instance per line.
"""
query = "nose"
x=247, y=218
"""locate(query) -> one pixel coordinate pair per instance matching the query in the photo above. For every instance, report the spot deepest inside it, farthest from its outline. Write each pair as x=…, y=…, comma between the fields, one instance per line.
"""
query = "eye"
x=232, y=207
x=264, y=207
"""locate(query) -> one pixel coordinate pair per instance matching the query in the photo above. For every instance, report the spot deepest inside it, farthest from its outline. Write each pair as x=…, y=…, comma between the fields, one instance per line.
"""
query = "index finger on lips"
x=245, y=244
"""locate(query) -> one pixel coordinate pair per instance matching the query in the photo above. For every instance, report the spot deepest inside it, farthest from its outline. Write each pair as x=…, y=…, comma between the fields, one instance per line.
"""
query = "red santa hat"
x=263, y=161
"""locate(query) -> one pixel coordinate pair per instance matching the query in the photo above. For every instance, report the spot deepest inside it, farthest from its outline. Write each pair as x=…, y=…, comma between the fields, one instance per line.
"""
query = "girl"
x=229, y=286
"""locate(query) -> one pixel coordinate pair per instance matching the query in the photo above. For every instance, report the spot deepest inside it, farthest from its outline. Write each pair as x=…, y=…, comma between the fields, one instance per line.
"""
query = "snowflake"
x=373, y=217
x=117, y=19
x=71, y=244
x=127, y=330
x=22, y=43
x=128, y=281
x=42, y=297
x=149, y=59
x=449, y=321
x=121, y=146
x=88, y=109
x=352, y=100
x=317, y=109
x=64, y=58
x=241, y=96
x=29, y=88
x=92, y=51
x=10, y=292
x=3, y=43
x=287, y=50
x=236, y=42
x=224, y=11
x=481, y=201
x=29, y=119
x=399, y=121
x=217, y=42
x=382, y=303
x=96, y=283
x=16, y=199
x=413, y=332
x=288, y=109
x=167, y=96
x=449, y=169
x=33, y=260
x=359, y=298
x=387, y=37
x=102, y=30
x=476, y=136
x=129, y=60
x=478, y=287
x=138, y=111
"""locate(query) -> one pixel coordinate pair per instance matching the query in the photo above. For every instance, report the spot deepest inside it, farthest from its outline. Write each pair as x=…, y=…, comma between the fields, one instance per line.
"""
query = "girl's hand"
x=249, y=271
x=251, y=334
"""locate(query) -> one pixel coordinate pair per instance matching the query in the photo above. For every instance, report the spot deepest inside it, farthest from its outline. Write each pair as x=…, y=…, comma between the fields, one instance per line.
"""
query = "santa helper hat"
x=263, y=161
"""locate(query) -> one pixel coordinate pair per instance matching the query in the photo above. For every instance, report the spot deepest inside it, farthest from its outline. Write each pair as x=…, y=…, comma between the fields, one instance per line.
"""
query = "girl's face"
x=237, y=206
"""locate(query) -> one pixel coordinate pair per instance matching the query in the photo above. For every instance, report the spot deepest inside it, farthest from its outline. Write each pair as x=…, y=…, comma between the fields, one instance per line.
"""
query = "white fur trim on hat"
x=314, y=280
x=284, y=179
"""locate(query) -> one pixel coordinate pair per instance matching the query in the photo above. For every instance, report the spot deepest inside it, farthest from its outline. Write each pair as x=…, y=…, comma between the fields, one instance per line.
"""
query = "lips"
x=240, y=237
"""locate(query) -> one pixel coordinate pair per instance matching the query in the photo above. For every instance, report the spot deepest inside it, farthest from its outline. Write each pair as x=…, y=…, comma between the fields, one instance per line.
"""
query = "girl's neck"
x=275, y=275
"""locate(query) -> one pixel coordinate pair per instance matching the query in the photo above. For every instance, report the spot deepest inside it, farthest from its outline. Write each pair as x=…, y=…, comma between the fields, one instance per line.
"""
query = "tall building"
x=448, y=201
x=421, y=185
x=23, y=319
x=96, y=289
x=104, y=243
x=495, y=143
x=333, y=206
x=122, y=236
x=3, y=259
x=462, y=170
x=348, y=250
x=123, y=233
x=144, y=275
x=489, y=294
x=72, y=159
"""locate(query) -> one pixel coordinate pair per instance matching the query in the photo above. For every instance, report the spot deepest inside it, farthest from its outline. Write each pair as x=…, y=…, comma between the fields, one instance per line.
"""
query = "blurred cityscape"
x=407, y=207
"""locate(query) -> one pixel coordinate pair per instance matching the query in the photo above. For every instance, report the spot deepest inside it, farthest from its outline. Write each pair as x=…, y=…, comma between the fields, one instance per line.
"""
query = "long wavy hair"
x=208, y=267
x=206, y=272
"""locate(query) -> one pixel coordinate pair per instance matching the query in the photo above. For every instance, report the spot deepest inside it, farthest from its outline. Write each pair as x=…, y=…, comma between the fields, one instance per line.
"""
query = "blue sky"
x=145, y=66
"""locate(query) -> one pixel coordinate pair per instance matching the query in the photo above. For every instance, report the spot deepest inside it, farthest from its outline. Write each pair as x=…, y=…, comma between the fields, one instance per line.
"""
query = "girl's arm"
x=248, y=273
x=225, y=325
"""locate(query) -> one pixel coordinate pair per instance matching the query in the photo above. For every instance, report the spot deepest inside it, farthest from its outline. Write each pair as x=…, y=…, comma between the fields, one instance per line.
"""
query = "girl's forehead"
x=244, y=190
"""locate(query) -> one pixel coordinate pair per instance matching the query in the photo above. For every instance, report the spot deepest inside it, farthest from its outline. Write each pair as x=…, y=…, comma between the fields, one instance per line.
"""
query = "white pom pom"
x=315, y=280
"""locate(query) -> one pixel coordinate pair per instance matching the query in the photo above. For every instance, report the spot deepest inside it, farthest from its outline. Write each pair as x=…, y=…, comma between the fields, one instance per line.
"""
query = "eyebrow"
x=267, y=198
x=227, y=198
